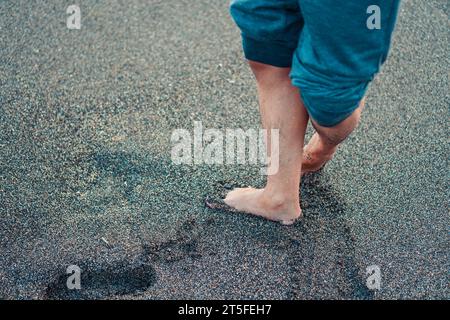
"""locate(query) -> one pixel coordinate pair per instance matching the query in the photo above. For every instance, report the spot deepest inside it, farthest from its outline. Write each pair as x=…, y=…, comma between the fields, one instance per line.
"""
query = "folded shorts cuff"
x=274, y=53
x=328, y=119
x=332, y=116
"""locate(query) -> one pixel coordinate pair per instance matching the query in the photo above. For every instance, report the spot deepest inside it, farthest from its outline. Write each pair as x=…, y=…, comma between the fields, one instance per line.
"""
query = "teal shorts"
x=334, y=48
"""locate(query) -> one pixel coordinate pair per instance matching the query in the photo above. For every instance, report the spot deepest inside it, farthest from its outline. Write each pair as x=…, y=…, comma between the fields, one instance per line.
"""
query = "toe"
x=237, y=191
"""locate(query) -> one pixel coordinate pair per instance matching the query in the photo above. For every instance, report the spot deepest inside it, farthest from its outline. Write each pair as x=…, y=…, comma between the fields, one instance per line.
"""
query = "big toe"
x=237, y=192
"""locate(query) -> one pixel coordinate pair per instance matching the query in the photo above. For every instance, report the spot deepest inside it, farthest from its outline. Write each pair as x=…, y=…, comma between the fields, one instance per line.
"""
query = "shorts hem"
x=327, y=119
x=273, y=53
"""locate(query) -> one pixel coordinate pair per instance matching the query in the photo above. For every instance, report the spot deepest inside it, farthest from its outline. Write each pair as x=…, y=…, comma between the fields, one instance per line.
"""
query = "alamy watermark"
x=373, y=281
x=226, y=147
x=74, y=19
x=74, y=280
x=374, y=20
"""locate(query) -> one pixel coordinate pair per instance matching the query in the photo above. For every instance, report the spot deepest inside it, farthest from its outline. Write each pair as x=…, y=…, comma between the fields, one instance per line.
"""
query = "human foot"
x=260, y=203
x=316, y=154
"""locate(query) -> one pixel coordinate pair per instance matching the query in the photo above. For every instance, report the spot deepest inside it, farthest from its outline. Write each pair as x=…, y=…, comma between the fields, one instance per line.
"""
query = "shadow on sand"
x=320, y=248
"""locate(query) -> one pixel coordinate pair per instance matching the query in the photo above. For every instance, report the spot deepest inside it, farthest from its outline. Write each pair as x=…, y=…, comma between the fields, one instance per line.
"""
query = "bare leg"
x=325, y=141
x=281, y=108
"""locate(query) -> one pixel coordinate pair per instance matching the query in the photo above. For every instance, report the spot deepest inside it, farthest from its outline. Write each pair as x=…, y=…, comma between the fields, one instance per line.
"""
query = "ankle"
x=279, y=201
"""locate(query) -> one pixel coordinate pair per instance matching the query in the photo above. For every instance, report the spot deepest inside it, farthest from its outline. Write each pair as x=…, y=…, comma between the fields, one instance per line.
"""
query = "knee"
x=265, y=73
x=337, y=134
x=334, y=138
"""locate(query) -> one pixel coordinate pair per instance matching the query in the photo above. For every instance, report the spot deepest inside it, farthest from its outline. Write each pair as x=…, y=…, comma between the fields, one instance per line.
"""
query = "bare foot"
x=260, y=203
x=316, y=154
